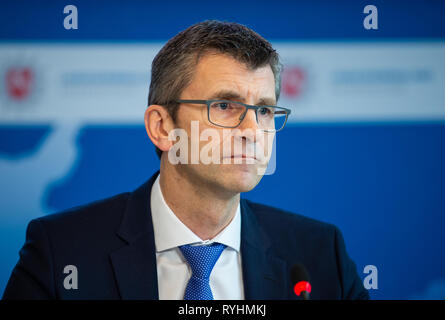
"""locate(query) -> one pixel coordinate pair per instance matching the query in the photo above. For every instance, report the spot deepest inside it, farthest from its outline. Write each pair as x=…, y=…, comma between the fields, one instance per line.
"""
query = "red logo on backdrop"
x=19, y=81
x=293, y=80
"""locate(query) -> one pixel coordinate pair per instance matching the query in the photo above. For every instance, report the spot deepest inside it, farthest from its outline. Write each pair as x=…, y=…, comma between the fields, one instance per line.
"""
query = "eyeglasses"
x=230, y=114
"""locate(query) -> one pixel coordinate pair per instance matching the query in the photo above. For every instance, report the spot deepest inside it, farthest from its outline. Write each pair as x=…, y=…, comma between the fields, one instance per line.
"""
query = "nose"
x=248, y=127
x=249, y=120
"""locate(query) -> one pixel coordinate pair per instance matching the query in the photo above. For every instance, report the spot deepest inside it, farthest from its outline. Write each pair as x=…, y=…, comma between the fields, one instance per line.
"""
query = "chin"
x=230, y=178
x=241, y=178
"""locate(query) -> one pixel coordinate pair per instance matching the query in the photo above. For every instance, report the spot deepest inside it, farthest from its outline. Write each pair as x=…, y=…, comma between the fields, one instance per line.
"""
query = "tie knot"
x=202, y=259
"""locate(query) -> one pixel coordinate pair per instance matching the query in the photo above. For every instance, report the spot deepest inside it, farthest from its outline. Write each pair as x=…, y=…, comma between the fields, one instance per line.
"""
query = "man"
x=185, y=233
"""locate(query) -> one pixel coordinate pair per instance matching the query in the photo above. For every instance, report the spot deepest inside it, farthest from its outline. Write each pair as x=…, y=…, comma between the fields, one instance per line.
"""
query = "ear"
x=158, y=124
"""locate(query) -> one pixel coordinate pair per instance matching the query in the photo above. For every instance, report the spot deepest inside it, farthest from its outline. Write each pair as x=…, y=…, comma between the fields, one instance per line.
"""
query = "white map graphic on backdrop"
x=25, y=179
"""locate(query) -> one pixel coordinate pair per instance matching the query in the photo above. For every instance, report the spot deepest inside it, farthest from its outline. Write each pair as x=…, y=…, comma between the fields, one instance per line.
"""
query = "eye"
x=264, y=111
x=222, y=105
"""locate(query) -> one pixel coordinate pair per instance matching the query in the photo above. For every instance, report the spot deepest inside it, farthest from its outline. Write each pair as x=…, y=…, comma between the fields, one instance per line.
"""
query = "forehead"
x=216, y=73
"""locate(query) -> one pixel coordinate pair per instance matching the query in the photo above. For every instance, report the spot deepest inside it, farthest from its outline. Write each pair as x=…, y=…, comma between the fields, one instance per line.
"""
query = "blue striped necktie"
x=201, y=260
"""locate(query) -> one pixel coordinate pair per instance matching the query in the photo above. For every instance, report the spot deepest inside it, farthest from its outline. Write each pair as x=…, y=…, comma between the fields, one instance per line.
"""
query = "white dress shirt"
x=226, y=279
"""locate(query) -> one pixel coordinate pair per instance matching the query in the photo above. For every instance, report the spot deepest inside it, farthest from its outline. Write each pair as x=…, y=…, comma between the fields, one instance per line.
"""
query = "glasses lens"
x=271, y=119
x=227, y=114
x=230, y=114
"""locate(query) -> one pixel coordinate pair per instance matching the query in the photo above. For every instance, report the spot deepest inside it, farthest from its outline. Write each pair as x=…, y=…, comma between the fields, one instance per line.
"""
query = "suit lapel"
x=265, y=275
x=135, y=263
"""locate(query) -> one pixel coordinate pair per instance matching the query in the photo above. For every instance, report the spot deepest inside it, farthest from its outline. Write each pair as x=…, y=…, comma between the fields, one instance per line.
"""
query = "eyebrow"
x=233, y=95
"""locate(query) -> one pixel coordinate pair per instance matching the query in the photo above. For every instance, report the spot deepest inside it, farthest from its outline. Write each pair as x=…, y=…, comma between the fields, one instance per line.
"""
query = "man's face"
x=219, y=76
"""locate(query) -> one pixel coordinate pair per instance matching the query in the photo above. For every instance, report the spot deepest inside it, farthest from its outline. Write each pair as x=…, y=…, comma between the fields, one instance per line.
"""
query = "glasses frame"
x=247, y=106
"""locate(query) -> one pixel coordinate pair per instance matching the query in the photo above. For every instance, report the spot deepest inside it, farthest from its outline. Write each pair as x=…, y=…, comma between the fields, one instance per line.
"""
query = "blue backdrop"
x=381, y=182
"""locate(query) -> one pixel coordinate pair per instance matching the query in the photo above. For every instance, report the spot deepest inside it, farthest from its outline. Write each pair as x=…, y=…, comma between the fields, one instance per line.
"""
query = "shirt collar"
x=170, y=232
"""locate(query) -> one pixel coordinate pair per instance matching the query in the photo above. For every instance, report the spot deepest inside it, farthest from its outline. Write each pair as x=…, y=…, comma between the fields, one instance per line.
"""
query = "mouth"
x=241, y=156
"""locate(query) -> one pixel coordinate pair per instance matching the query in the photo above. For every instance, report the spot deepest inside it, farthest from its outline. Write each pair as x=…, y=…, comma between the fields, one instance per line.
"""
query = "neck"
x=204, y=211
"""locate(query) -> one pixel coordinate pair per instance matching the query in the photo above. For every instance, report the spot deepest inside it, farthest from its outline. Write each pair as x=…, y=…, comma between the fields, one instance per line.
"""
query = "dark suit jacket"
x=111, y=243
